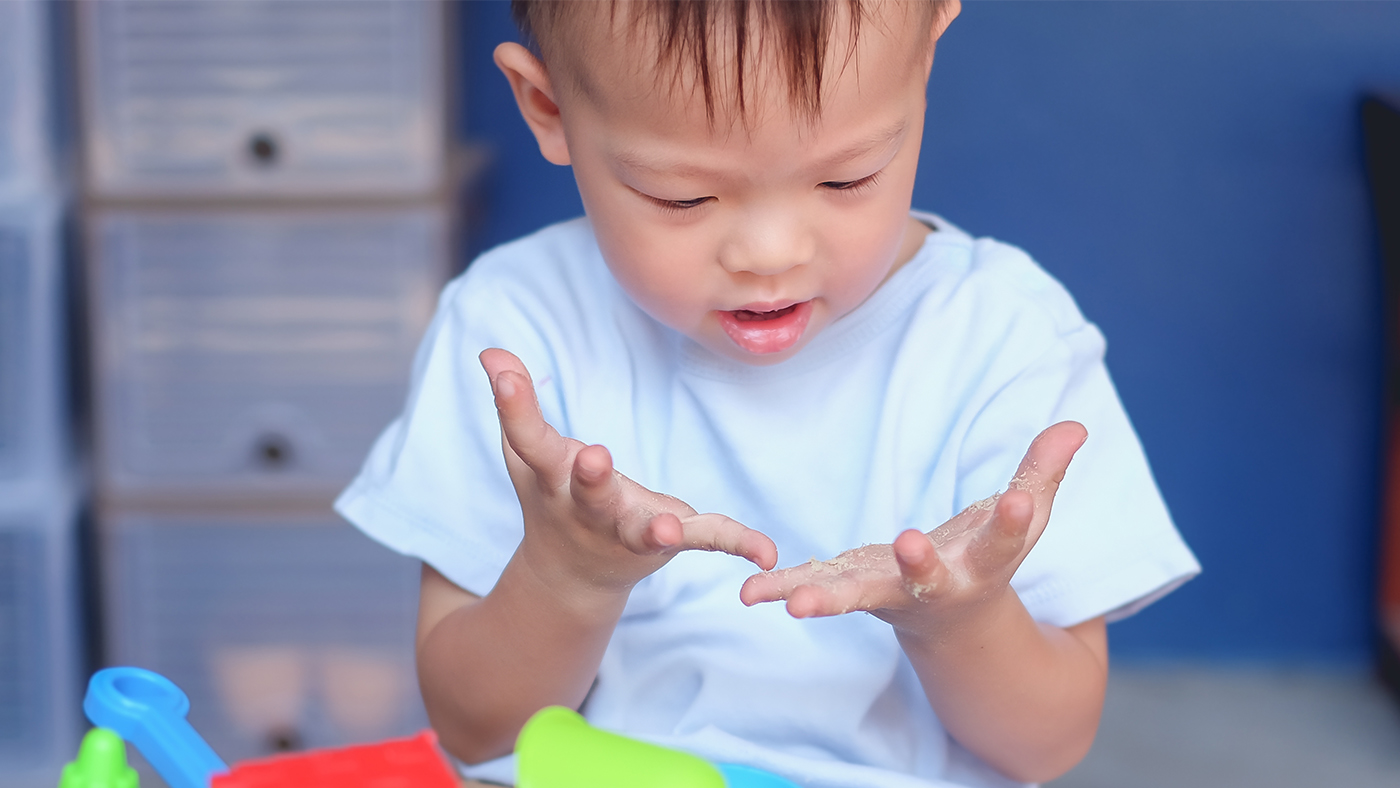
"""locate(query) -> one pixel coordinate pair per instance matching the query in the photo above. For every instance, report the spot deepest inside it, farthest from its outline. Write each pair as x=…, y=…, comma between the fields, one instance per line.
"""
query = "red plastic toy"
x=414, y=762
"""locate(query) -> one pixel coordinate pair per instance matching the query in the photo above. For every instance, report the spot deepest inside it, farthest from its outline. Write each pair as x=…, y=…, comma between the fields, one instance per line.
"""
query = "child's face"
x=751, y=240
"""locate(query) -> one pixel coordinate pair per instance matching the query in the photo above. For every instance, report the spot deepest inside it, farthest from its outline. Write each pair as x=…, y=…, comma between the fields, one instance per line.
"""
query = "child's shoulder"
x=557, y=253
x=547, y=297
x=555, y=270
x=994, y=272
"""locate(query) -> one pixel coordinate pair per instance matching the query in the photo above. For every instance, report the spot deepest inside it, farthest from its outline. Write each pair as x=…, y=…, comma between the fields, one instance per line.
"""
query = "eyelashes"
x=843, y=187
x=853, y=187
x=678, y=206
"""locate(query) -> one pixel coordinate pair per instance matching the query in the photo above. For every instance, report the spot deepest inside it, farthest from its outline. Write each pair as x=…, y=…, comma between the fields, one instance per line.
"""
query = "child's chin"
x=730, y=349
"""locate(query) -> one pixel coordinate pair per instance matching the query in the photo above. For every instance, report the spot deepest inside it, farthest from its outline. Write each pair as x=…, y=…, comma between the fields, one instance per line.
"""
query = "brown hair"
x=686, y=33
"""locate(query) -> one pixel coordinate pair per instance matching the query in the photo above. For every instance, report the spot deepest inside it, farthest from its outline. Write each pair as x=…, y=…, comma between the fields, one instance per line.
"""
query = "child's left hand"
x=924, y=582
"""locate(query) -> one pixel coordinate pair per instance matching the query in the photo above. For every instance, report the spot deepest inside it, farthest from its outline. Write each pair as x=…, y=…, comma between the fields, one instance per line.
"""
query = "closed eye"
x=853, y=186
x=678, y=206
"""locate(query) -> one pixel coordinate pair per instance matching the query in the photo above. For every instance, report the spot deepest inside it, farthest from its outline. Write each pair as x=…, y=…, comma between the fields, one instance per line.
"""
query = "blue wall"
x=1192, y=171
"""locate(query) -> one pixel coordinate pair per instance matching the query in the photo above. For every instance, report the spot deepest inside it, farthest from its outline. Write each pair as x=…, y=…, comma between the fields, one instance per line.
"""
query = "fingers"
x=721, y=534
x=865, y=578
x=593, y=485
x=1043, y=468
x=839, y=596
x=528, y=434
x=495, y=361
x=772, y=586
x=921, y=570
x=809, y=594
x=1044, y=465
x=663, y=532
x=711, y=532
x=1002, y=539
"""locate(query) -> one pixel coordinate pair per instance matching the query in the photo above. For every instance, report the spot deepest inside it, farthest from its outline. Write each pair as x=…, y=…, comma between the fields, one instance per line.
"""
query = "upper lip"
x=769, y=306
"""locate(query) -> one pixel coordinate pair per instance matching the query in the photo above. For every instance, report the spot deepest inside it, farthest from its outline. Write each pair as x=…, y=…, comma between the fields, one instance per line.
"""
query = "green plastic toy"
x=559, y=749
x=101, y=763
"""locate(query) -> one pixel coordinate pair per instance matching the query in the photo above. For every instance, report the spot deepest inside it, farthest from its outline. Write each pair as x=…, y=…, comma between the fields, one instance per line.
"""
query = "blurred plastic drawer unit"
x=286, y=632
x=262, y=97
x=40, y=670
x=254, y=354
x=33, y=389
x=23, y=87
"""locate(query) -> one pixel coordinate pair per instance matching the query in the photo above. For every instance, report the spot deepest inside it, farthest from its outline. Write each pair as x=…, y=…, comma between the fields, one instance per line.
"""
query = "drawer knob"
x=263, y=147
x=272, y=451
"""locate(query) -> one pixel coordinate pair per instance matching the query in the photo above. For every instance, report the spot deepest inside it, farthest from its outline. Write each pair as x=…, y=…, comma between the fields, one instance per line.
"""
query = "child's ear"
x=944, y=15
x=535, y=96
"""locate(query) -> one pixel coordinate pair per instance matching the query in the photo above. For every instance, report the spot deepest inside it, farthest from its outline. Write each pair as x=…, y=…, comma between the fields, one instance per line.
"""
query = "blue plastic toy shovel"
x=148, y=710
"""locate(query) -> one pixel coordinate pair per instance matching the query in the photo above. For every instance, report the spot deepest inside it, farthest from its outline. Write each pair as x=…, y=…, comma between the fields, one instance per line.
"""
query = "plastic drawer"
x=285, y=633
x=33, y=434
x=262, y=97
x=255, y=352
x=23, y=113
x=41, y=666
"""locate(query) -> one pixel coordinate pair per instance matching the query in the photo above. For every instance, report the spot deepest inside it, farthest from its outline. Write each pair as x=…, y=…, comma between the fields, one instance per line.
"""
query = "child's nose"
x=768, y=242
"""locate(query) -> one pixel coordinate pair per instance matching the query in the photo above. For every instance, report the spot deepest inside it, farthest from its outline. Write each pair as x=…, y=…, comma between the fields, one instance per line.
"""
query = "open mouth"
x=766, y=331
x=748, y=315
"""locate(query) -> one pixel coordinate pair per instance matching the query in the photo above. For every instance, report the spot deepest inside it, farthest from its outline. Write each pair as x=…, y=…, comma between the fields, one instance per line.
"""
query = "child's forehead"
x=620, y=53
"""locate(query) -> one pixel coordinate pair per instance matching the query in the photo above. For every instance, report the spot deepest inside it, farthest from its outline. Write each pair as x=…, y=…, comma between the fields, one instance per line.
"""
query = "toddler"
x=751, y=321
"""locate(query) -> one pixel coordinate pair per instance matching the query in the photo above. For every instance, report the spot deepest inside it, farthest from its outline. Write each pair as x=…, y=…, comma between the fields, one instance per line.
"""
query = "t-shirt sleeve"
x=435, y=485
x=1110, y=547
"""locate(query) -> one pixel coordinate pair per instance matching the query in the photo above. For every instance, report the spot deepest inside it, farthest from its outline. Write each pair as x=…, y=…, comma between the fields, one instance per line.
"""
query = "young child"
x=751, y=321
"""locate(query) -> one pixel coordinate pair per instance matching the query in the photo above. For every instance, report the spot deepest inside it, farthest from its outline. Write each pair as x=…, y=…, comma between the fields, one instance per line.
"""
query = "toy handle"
x=148, y=710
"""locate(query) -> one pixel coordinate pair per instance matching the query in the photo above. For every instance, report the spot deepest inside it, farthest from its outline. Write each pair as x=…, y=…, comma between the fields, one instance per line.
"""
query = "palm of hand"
x=924, y=578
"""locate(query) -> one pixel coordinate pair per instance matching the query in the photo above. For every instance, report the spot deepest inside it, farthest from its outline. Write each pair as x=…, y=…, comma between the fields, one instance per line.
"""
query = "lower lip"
x=765, y=336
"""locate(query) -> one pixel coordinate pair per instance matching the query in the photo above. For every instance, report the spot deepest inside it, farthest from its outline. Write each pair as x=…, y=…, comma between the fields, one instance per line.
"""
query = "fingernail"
x=504, y=387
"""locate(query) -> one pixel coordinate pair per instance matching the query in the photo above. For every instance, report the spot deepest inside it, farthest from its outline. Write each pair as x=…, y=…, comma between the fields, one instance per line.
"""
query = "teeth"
x=748, y=314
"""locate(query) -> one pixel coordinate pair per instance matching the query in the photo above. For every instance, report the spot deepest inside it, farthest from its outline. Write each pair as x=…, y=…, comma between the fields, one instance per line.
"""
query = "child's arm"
x=485, y=664
x=1023, y=696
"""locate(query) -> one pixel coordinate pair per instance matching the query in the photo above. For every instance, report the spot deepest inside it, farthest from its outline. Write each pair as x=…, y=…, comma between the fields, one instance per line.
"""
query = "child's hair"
x=689, y=37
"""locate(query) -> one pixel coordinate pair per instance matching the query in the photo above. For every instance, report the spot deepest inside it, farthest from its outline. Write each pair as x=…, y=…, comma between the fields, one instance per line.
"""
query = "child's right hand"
x=586, y=522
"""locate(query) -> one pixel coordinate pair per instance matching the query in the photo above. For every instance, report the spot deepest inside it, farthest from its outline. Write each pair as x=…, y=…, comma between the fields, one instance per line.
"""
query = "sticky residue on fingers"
x=858, y=566
x=866, y=558
x=986, y=504
x=1022, y=479
x=965, y=521
x=920, y=591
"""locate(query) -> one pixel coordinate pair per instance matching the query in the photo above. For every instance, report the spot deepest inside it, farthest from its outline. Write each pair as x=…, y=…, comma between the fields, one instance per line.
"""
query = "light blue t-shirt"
x=920, y=402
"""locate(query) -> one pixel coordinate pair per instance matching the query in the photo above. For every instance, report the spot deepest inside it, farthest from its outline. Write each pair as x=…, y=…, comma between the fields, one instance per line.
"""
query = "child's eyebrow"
x=875, y=142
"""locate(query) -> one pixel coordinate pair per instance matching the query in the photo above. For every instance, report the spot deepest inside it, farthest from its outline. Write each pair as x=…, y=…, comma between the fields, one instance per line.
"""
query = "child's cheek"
x=643, y=273
x=867, y=259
